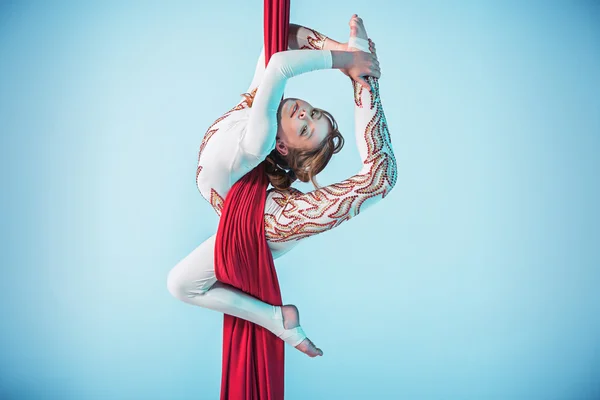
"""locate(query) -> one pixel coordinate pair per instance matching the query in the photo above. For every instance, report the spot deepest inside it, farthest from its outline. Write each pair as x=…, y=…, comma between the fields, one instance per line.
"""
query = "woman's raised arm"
x=299, y=38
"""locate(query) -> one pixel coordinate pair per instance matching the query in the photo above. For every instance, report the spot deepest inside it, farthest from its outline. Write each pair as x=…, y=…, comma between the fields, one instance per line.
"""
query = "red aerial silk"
x=253, y=357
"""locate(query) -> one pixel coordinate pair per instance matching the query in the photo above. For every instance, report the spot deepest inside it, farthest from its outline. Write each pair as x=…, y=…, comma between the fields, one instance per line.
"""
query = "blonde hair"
x=303, y=164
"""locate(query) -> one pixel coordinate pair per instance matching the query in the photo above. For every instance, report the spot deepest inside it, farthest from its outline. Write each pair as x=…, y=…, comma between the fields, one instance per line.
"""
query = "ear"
x=281, y=147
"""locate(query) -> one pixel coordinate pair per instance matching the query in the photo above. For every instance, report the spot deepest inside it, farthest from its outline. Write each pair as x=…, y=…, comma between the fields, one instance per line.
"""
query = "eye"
x=304, y=129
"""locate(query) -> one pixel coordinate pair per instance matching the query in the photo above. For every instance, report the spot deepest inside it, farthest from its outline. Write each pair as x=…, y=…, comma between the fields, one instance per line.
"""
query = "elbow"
x=276, y=61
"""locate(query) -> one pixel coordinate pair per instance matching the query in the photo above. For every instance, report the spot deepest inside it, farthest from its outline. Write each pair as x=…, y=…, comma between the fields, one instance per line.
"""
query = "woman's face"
x=301, y=126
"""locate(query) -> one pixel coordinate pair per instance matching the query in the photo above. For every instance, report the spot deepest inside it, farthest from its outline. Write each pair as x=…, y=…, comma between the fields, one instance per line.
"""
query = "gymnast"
x=296, y=141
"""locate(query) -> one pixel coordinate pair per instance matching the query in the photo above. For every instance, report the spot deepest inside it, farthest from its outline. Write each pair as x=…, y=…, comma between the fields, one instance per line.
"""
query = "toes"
x=355, y=20
x=309, y=348
x=315, y=350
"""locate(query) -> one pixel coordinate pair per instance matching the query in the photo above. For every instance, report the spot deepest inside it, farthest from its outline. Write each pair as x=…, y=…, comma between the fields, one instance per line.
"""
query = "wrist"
x=341, y=59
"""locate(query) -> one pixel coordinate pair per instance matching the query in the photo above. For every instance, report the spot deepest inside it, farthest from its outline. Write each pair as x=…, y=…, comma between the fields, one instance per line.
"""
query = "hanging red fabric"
x=253, y=357
x=276, y=27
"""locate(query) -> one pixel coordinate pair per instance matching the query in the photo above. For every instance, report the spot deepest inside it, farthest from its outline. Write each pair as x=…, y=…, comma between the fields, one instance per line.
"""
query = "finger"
x=364, y=83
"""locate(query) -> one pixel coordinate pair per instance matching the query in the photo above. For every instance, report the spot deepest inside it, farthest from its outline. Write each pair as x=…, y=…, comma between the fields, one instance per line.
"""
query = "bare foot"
x=357, y=29
x=291, y=319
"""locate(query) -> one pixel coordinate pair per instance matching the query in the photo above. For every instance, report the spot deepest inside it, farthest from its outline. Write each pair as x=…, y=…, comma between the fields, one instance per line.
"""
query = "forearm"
x=301, y=37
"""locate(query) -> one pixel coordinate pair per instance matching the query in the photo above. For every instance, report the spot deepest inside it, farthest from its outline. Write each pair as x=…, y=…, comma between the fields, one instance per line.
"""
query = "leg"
x=193, y=281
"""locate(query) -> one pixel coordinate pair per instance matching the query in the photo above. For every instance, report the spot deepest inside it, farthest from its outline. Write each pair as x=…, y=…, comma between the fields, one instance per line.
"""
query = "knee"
x=184, y=289
x=176, y=285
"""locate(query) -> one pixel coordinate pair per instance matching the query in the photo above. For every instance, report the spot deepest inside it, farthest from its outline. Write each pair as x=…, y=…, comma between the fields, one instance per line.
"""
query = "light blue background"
x=477, y=278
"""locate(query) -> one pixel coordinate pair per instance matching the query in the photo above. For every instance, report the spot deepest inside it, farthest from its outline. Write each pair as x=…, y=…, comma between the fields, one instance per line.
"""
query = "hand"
x=344, y=47
x=372, y=47
x=363, y=64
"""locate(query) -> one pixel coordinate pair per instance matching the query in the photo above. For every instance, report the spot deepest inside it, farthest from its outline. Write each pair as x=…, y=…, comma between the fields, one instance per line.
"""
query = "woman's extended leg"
x=292, y=216
x=193, y=281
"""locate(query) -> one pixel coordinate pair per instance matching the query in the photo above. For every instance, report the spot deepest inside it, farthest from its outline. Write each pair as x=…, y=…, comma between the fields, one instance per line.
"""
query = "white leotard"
x=240, y=139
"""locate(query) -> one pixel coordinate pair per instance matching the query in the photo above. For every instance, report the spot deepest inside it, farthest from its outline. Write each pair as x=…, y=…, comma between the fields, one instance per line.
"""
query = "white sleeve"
x=259, y=71
x=302, y=38
x=259, y=138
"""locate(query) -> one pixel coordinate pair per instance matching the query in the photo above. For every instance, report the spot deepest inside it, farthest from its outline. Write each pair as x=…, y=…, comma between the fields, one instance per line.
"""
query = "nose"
x=303, y=114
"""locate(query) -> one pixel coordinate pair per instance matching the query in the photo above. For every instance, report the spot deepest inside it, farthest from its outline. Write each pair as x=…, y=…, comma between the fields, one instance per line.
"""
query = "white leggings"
x=191, y=279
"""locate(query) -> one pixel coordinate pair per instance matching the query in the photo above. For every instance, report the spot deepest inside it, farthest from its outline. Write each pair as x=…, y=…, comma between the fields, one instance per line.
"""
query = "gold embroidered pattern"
x=249, y=97
x=308, y=214
x=358, y=88
x=315, y=42
x=216, y=201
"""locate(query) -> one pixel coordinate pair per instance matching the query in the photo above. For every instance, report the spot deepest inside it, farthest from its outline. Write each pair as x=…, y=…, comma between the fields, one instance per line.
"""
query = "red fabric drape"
x=253, y=357
x=276, y=27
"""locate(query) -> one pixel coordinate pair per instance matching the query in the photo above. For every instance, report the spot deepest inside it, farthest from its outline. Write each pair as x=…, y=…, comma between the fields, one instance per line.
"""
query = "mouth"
x=294, y=108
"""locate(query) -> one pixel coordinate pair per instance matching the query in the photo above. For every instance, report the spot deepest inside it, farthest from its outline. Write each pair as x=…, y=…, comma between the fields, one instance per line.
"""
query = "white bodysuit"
x=241, y=139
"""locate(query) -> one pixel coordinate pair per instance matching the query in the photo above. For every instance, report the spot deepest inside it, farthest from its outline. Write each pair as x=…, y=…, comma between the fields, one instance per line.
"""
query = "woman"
x=297, y=140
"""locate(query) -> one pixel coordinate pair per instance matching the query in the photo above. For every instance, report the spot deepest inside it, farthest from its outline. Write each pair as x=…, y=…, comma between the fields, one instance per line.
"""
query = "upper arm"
x=259, y=71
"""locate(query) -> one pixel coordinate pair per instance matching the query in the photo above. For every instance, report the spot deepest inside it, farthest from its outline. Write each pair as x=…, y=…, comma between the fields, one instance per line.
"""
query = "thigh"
x=195, y=273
